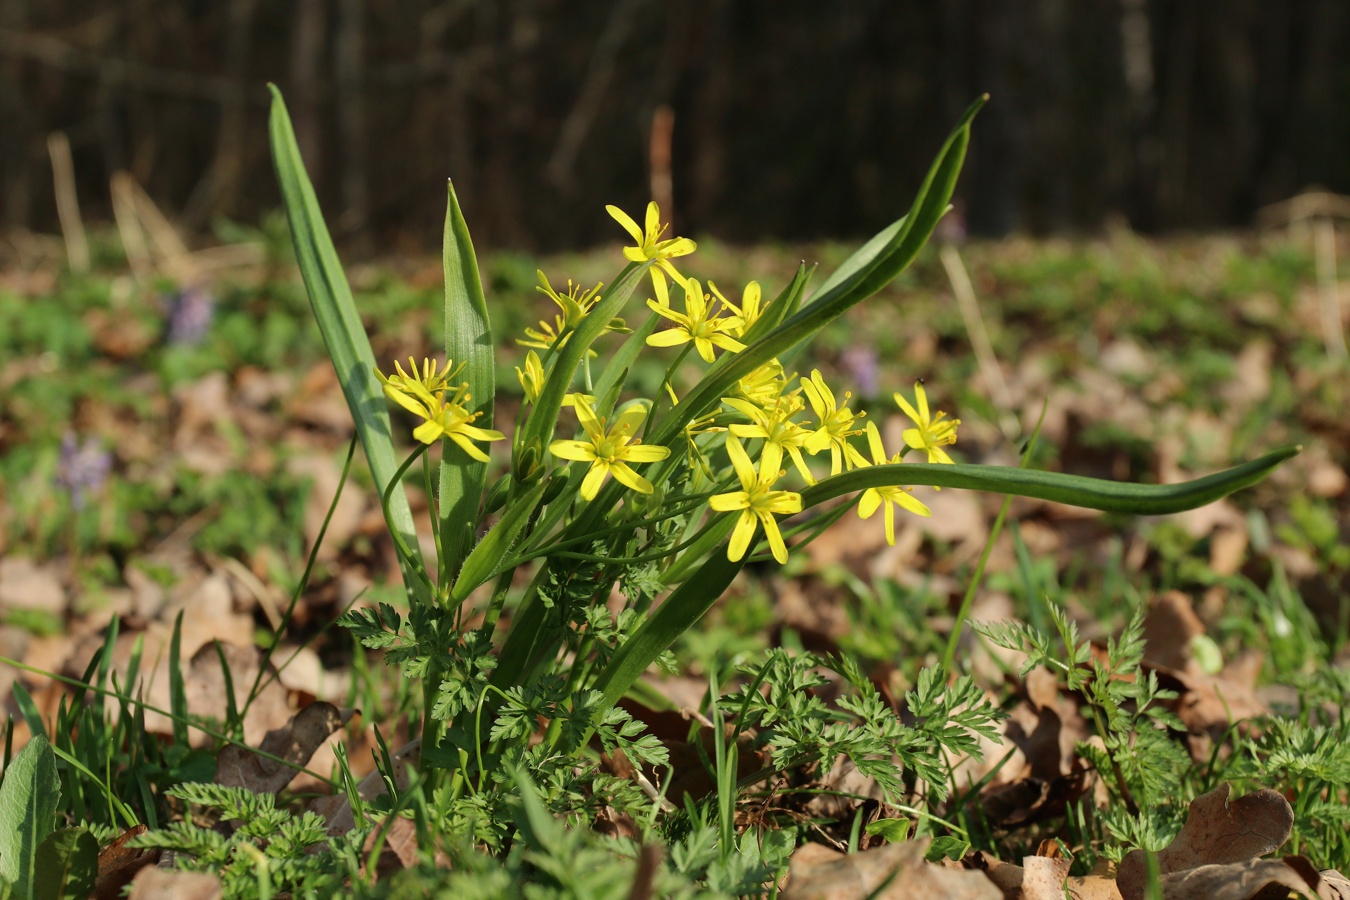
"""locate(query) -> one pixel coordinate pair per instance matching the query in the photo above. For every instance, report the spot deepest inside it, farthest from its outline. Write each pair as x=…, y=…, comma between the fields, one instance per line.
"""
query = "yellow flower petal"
x=742, y=535
x=626, y=221
x=595, y=476
x=581, y=451
x=626, y=476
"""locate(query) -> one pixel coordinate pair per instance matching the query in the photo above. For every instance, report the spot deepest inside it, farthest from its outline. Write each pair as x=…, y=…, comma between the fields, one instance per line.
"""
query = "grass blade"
x=345, y=337
x=468, y=340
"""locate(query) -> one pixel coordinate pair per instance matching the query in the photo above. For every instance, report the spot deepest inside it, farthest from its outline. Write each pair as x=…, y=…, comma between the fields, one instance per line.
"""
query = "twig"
x=1328, y=294
x=663, y=186
x=979, y=341
x=68, y=202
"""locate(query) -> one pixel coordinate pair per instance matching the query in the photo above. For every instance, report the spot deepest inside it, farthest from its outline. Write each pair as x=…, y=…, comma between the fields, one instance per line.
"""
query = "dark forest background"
x=790, y=120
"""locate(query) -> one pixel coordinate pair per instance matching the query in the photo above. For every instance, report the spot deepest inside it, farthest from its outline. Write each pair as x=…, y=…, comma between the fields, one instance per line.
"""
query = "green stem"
x=442, y=575
x=949, y=654
x=412, y=561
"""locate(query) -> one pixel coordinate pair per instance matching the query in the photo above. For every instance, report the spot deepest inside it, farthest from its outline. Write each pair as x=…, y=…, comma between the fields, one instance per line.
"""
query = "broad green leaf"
x=1074, y=490
x=947, y=847
x=67, y=865
x=468, y=340
x=348, y=346
x=28, y=798
x=884, y=257
x=484, y=561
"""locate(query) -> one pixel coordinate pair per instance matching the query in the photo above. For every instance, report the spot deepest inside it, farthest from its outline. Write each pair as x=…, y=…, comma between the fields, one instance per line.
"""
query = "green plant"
x=38, y=860
x=694, y=495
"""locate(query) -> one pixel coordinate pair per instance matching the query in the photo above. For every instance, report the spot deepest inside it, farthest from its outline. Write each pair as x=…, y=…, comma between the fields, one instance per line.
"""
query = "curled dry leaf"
x=295, y=743
x=1256, y=879
x=118, y=864
x=890, y=872
x=1216, y=832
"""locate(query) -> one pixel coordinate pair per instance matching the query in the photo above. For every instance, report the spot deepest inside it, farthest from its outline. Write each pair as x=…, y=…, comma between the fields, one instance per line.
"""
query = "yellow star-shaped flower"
x=697, y=323
x=609, y=450
x=748, y=313
x=836, y=425
x=891, y=495
x=650, y=246
x=930, y=433
x=423, y=394
x=758, y=503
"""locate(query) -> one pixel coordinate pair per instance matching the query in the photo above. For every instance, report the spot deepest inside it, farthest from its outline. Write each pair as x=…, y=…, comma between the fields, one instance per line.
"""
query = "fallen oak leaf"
x=1256, y=879
x=1216, y=832
x=293, y=744
x=889, y=872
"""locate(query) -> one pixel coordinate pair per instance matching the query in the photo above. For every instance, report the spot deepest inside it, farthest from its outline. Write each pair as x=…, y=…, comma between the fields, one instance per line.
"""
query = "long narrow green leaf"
x=348, y=346
x=28, y=798
x=676, y=615
x=1075, y=490
x=468, y=340
x=482, y=562
x=882, y=258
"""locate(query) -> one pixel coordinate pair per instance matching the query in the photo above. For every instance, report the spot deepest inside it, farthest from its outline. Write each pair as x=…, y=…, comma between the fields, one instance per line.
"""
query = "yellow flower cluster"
x=767, y=406
x=423, y=393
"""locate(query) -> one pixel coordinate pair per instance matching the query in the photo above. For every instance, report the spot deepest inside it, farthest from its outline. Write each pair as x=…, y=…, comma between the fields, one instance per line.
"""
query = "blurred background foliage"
x=753, y=120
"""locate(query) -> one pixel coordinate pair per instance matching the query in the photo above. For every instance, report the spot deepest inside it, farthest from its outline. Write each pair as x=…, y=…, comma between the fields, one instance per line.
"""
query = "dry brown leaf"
x=1216, y=832
x=890, y=872
x=398, y=850
x=118, y=864
x=204, y=687
x=1169, y=627
x=1010, y=879
x=326, y=475
x=295, y=743
x=1209, y=703
x=1043, y=877
x=1331, y=885
x=337, y=809
x=28, y=585
x=1258, y=879
x=153, y=883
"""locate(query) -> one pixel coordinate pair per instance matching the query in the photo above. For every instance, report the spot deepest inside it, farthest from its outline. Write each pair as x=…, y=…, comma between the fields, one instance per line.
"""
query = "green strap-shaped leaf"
x=67, y=865
x=1074, y=490
x=881, y=259
x=28, y=798
x=676, y=615
x=348, y=347
x=484, y=561
x=468, y=340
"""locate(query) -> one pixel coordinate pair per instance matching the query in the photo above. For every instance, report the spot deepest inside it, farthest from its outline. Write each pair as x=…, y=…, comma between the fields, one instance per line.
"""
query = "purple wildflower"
x=190, y=313
x=81, y=470
x=860, y=361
